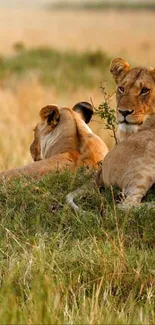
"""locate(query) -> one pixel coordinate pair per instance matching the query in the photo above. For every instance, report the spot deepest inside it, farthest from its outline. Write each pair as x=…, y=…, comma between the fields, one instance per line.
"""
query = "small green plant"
x=105, y=112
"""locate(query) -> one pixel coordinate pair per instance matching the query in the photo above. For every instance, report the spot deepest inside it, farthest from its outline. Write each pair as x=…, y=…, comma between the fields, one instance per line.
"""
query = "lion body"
x=131, y=164
x=62, y=140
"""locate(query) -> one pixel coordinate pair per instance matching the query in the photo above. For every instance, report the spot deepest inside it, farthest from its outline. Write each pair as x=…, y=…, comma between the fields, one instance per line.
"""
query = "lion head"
x=57, y=131
x=135, y=95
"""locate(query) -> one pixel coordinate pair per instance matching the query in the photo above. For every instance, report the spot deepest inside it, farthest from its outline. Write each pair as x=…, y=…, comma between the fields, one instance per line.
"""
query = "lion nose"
x=125, y=113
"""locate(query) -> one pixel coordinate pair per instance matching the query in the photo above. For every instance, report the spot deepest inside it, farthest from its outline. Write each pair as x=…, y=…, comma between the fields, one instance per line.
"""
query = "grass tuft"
x=57, y=267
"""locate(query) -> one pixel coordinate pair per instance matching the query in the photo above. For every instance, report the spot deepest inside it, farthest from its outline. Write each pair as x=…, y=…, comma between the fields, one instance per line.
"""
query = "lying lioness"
x=62, y=139
x=130, y=165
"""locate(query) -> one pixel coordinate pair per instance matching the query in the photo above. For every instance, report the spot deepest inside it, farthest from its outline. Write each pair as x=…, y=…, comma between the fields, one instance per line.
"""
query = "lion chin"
x=125, y=130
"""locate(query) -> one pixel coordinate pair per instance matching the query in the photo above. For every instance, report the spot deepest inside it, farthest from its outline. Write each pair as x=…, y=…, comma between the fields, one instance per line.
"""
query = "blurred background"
x=59, y=52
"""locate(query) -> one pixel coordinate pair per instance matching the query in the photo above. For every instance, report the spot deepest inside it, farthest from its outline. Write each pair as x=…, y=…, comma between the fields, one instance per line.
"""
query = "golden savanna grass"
x=21, y=99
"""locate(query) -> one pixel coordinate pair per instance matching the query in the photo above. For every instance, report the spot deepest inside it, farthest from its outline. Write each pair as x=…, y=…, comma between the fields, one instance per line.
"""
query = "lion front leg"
x=132, y=200
x=135, y=194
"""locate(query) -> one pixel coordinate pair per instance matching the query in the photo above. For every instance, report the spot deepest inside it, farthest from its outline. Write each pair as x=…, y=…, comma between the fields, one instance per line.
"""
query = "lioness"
x=130, y=165
x=63, y=139
x=135, y=96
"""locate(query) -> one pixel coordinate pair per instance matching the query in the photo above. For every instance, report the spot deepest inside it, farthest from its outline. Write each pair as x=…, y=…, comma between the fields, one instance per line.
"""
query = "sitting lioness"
x=62, y=139
x=135, y=96
x=130, y=165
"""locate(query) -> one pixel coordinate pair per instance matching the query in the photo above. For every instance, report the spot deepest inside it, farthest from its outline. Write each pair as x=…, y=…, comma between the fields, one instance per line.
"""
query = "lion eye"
x=144, y=91
x=121, y=89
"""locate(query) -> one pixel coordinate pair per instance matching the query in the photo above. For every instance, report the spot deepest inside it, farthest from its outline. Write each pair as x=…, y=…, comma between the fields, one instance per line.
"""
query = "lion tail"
x=72, y=195
x=80, y=192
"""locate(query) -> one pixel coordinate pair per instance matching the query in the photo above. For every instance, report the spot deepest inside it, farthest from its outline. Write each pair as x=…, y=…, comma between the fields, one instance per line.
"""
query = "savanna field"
x=57, y=267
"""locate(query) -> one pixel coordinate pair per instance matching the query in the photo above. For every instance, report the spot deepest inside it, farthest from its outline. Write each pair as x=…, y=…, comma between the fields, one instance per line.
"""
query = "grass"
x=58, y=268
x=104, y=5
x=64, y=70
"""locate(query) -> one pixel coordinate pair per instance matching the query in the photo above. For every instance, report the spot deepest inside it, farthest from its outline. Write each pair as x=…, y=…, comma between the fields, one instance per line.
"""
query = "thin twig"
x=105, y=112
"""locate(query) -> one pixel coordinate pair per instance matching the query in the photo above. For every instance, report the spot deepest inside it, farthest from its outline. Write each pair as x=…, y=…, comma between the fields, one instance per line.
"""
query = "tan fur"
x=62, y=140
x=131, y=164
x=130, y=96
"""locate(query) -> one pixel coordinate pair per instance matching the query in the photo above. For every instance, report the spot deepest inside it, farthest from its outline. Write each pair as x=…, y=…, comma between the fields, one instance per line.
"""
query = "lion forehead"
x=138, y=77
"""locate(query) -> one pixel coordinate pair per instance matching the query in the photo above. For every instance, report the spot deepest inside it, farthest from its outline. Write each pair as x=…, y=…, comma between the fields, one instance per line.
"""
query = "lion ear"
x=50, y=114
x=119, y=68
x=152, y=71
x=85, y=109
